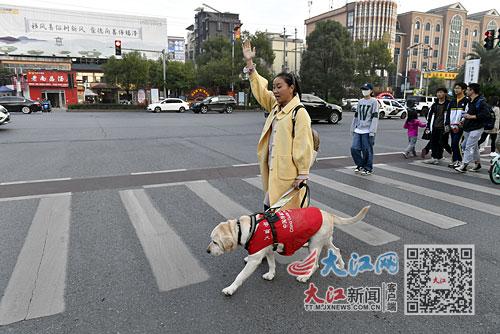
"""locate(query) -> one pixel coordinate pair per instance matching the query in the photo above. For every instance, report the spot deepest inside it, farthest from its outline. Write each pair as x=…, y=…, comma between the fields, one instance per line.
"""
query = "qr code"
x=439, y=280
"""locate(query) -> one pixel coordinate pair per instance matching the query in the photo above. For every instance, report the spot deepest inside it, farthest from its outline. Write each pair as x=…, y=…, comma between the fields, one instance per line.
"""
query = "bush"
x=105, y=106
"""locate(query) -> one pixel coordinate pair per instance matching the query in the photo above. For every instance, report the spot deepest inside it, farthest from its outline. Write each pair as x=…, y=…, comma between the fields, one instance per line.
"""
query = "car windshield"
x=207, y=99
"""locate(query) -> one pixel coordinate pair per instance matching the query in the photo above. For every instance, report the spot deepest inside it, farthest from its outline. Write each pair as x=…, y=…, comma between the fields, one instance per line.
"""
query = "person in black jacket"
x=473, y=126
x=435, y=124
x=456, y=110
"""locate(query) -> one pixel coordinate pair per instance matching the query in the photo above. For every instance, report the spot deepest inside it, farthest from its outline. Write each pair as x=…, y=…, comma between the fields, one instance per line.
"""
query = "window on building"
x=398, y=38
x=454, y=42
x=424, y=65
x=438, y=27
x=417, y=25
x=436, y=40
x=466, y=31
x=427, y=39
x=474, y=34
x=219, y=26
x=350, y=19
x=492, y=25
x=427, y=26
x=416, y=39
x=426, y=53
x=397, y=51
x=415, y=52
x=465, y=44
x=464, y=56
x=435, y=54
x=434, y=66
x=414, y=64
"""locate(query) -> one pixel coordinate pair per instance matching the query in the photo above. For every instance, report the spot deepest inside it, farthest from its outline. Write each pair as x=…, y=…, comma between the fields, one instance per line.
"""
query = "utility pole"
x=164, y=55
x=295, y=51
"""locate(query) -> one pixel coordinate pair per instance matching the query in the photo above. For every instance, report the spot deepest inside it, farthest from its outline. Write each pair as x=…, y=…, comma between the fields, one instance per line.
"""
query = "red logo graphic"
x=306, y=267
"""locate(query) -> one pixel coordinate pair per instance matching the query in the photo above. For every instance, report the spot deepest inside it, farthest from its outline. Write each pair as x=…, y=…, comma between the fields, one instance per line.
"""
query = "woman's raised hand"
x=248, y=52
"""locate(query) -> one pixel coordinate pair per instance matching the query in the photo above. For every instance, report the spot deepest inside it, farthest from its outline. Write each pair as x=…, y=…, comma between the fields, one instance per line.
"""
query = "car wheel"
x=381, y=114
x=26, y=110
x=157, y=109
x=403, y=115
x=229, y=109
x=182, y=109
x=333, y=118
x=204, y=109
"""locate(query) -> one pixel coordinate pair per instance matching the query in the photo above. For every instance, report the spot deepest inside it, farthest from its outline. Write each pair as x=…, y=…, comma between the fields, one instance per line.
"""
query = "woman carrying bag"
x=285, y=148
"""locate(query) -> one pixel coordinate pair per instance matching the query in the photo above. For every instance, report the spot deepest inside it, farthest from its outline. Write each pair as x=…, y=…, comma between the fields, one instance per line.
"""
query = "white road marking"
x=36, y=287
x=170, y=259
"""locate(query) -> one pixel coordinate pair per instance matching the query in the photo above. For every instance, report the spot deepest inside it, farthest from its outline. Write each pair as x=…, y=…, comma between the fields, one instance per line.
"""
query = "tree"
x=180, y=77
x=129, y=73
x=5, y=76
x=328, y=63
x=489, y=71
x=434, y=84
x=373, y=62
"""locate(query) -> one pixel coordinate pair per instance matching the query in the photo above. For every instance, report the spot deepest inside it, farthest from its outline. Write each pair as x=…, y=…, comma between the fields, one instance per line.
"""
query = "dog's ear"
x=228, y=243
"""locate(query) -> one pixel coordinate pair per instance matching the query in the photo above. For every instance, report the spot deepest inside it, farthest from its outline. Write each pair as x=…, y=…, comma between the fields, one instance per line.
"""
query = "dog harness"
x=292, y=228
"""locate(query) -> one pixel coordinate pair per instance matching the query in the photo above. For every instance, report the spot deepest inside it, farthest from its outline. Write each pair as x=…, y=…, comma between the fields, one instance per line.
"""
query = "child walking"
x=412, y=124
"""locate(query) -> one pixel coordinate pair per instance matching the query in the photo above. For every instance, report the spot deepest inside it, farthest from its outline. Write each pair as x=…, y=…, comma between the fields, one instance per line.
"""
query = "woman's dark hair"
x=494, y=101
x=412, y=114
x=291, y=79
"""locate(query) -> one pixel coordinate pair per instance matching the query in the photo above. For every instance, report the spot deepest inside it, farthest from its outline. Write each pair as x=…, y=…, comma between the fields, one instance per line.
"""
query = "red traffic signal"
x=118, y=47
x=489, y=39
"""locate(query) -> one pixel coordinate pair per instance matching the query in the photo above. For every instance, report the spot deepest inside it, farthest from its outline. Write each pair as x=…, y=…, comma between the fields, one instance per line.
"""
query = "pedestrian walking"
x=436, y=126
x=285, y=148
x=363, y=129
x=493, y=132
x=473, y=126
x=456, y=111
x=412, y=124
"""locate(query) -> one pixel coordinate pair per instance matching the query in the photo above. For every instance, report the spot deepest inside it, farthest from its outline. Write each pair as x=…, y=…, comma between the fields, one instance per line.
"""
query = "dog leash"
x=287, y=197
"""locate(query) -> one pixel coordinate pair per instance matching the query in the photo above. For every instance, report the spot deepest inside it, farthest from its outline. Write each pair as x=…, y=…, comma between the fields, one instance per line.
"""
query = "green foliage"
x=328, y=63
x=371, y=62
x=5, y=76
x=435, y=83
x=130, y=73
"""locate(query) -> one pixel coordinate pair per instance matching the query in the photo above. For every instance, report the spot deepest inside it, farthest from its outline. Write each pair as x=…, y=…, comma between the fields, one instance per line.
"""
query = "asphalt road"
x=106, y=218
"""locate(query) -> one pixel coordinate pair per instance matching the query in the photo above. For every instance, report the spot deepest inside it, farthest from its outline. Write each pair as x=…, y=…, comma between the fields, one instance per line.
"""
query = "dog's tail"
x=351, y=220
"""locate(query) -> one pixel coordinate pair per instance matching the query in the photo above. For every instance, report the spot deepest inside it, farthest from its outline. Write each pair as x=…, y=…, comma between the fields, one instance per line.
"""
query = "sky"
x=270, y=15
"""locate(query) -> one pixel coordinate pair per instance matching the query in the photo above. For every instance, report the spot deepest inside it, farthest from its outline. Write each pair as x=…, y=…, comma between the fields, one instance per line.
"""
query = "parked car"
x=319, y=110
x=19, y=103
x=220, y=103
x=4, y=116
x=423, y=103
x=389, y=108
x=169, y=104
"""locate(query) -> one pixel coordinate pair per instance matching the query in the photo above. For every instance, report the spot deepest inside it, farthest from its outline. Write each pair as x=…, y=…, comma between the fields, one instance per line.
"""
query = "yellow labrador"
x=227, y=236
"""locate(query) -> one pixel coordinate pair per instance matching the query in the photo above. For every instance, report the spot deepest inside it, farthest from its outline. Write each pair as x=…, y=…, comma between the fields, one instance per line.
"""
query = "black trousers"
x=437, y=143
x=493, y=138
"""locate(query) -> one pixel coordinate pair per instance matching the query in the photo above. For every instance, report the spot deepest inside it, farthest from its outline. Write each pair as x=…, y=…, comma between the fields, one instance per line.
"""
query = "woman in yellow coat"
x=284, y=158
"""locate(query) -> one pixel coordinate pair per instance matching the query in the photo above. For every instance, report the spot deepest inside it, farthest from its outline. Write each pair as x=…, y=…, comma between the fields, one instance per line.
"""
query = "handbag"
x=426, y=135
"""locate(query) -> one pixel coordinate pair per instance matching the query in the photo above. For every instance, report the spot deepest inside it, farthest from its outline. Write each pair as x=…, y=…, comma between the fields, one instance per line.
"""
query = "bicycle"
x=494, y=170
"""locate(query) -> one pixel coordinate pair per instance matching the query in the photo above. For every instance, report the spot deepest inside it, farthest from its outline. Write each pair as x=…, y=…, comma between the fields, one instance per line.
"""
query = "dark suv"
x=220, y=103
x=19, y=103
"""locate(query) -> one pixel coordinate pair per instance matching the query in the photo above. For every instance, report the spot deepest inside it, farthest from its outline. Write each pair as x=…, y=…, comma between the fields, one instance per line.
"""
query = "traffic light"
x=118, y=47
x=489, y=39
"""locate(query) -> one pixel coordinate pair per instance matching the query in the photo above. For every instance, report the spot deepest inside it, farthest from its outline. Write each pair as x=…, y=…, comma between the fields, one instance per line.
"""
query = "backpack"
x=489, y=123
x=315, y=133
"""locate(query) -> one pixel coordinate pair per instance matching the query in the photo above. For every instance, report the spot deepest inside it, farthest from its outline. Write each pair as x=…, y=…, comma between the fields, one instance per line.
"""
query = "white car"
x=389, y=108
x=4, y=116
x=423, y=103
x=170, y=104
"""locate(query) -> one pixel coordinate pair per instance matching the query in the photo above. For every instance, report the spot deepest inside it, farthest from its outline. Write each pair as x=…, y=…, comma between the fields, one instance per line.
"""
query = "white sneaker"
x=432, y=161
x=493, y=154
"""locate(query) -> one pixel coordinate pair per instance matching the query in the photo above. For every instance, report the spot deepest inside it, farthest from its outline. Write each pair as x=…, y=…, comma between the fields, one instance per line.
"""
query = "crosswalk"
x=37, y=283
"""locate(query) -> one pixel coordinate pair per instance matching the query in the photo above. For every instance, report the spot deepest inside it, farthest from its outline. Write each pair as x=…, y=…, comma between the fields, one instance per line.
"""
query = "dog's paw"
x=228, y=291
x=303, y=278
x=268, y=276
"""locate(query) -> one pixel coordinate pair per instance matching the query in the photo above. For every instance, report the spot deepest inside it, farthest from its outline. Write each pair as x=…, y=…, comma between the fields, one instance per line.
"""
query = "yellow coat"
x=290, y=156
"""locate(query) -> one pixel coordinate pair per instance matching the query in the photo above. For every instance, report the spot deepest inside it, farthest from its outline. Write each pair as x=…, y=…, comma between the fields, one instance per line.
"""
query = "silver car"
x=4, y=116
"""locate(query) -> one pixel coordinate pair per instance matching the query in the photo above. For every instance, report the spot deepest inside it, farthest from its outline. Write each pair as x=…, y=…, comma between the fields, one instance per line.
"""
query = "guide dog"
x=228, y=235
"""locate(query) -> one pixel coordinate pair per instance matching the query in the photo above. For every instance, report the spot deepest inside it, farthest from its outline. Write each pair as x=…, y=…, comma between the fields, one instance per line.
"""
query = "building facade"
x=208, y=25
x=366, y=20
x=73, y=43
x=287, y=53
x=439, y=39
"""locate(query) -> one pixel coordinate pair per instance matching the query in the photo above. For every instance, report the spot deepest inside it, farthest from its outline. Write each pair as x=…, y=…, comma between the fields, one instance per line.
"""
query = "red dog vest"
x=294, y=228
